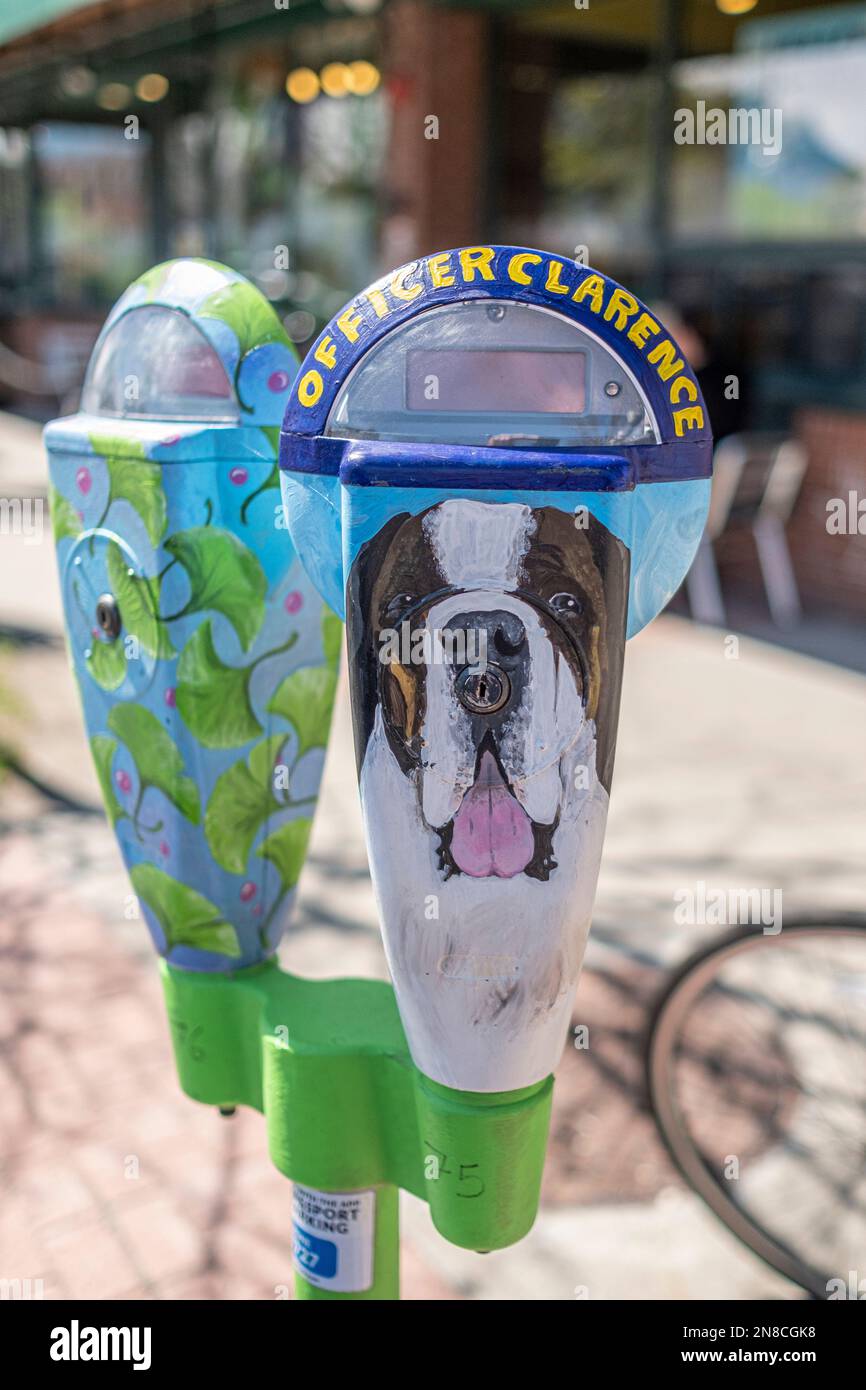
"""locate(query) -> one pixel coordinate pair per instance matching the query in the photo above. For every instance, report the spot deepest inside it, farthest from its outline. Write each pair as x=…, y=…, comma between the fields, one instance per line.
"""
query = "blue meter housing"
x=508, y=369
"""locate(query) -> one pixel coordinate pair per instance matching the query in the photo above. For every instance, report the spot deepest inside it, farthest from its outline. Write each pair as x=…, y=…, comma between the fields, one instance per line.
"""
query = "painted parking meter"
x=205, y=658
x=496, y=463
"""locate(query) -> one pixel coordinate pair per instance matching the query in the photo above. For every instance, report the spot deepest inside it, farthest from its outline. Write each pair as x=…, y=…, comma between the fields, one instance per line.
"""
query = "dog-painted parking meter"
x=496, y=463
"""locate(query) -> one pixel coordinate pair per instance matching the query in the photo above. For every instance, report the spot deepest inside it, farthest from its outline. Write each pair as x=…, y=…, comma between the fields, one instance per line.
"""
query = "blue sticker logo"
x=315, y=1256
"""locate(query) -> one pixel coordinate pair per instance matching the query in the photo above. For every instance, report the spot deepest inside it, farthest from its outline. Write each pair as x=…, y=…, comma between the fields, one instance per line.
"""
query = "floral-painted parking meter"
x=205, y=658
x=497, y=464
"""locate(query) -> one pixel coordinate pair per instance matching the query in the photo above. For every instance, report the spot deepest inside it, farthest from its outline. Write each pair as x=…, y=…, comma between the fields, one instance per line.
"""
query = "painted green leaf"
x=156, y=756
x=134, y=478
x=247, y=313
x=332, y=638
x=139, y=482
x=306, y=699
x=242, y=800
x=138, y=601
x=64, y=518
x=107, y=663
x=186, y=918
x=224, y=575
x=118, y=446
x=103, y=749
x=153, y=280
x=286, y=848
x=214, y=698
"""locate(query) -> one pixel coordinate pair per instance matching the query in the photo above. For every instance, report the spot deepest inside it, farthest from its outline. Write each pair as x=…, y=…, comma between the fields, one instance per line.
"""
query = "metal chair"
x=756, y=482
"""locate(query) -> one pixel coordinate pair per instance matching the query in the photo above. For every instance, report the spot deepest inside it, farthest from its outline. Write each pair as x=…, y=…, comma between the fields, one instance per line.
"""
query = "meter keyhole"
x=483, y=692
x=108, y=616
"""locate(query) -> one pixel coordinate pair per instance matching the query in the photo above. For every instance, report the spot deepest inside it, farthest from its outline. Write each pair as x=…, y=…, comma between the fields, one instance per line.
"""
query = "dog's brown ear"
x=611, y=562
x=593, y=661
x=400, y=699
x=361, y=605
x=596, y=562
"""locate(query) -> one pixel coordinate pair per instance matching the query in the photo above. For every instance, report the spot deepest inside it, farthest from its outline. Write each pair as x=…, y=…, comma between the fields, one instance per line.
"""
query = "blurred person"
x=720, y=377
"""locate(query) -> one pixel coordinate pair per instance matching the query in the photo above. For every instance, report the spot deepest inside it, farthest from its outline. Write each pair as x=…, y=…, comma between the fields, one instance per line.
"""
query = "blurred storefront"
x=253, y=133
x=312, y=144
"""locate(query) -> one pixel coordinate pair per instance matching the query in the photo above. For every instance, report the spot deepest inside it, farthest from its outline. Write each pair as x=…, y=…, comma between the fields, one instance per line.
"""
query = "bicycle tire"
x=690, y=981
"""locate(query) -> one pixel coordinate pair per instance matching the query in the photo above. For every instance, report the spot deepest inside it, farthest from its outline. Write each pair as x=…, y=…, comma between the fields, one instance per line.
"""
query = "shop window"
x=788, y=159
x=598, y=161
x=93, y=209
x=300, y=172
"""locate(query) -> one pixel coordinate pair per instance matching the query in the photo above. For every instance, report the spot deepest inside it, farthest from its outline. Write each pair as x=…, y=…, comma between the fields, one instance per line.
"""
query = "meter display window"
x=155, y=364
x=493, y=373
x=510, y=380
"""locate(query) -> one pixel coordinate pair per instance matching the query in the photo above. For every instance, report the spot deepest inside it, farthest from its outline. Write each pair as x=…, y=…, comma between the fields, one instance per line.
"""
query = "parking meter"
x=496, y=463
x=205, y=658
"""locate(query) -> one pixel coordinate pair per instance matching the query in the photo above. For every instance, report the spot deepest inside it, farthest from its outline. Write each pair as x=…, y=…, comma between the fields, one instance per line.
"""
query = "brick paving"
x=117, y=1186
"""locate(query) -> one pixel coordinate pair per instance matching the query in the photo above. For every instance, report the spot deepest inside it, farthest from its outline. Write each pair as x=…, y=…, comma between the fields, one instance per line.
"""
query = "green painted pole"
x=350, y=1117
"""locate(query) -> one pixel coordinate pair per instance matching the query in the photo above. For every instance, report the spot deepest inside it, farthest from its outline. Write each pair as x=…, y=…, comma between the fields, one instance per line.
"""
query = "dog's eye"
x=566, y=604
x=396, y=607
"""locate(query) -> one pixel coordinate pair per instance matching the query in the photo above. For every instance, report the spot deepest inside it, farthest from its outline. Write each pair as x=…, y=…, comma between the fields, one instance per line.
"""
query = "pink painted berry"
x=238, y=476
x=171, y=697
x=278, y=381
x=164, y=849
x=293, y=601
x=257, y=910
x=124, y=781
x=248, y=892
x=84, y=480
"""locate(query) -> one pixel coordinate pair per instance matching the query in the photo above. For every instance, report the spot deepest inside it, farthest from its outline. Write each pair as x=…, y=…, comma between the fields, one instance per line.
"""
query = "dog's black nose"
x=495, y=661
x=494, y=634
x=509, y=634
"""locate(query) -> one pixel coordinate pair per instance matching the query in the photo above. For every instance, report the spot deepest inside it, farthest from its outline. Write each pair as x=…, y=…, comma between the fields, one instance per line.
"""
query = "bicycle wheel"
x=756, y=1070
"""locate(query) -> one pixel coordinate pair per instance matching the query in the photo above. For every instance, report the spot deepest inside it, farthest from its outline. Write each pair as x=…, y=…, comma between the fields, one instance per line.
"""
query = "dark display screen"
x=482, y=379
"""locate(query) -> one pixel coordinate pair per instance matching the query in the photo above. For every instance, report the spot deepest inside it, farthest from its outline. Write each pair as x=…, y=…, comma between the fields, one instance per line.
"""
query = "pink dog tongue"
x=492, y=832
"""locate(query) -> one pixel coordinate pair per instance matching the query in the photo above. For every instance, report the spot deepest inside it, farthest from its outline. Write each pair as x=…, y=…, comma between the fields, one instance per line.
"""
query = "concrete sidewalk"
x=738, y=765
x=29, y=594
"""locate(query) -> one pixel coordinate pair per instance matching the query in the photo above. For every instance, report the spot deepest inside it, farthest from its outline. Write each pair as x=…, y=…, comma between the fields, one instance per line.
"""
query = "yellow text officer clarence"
x=551, y=277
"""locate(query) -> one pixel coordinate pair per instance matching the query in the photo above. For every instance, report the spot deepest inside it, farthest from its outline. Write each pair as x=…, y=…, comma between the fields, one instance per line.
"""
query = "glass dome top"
x=154, y=363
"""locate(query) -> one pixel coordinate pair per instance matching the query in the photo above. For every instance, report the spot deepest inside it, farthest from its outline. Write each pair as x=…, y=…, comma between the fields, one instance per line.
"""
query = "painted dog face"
x=481, y=631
